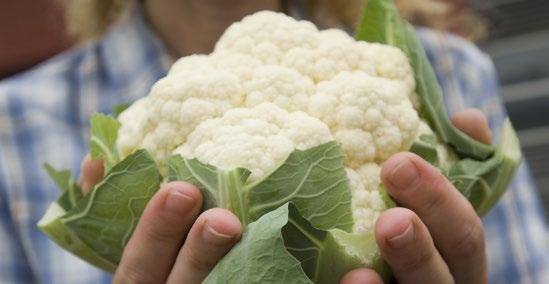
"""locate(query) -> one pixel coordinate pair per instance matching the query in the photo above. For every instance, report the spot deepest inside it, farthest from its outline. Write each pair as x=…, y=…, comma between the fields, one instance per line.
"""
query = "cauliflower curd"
x=273, y=85
x=286, y=127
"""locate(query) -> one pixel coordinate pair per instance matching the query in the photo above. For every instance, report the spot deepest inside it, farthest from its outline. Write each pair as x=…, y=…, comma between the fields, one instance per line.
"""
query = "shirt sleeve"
x=515, y=228
x=26, y=254
x=14, y=267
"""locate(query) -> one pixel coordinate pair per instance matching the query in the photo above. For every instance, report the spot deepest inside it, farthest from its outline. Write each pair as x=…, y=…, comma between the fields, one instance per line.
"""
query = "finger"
x=211, y=237
x=454, y=225
x=361, y=276
x=473, y=123
x=91, y=173
x=406, y=245
x=153, y=248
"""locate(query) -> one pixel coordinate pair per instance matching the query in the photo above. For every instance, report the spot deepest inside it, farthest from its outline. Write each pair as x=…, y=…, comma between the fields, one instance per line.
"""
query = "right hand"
x=173, y=242
x=436, y=236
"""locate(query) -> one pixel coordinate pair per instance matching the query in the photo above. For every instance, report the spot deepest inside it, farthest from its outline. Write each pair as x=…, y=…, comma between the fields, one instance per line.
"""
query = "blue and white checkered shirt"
x=44, y=115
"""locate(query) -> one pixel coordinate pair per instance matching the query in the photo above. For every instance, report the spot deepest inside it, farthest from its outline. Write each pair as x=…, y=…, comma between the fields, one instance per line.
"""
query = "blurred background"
x=30, y=32
x=517, y=38
x=518, y=42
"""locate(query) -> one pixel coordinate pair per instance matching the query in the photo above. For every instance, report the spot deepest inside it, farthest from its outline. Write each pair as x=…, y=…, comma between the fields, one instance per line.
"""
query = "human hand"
x=436, y=236
x=171, y=243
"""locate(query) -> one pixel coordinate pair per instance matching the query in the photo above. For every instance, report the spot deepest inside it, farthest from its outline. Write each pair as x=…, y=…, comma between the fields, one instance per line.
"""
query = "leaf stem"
x=234, y=194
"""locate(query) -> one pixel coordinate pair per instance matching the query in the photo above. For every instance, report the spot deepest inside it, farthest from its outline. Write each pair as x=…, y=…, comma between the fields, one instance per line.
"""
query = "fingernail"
x=212, y=236
x=404, y=174
x=403, y=239
x=178, y=202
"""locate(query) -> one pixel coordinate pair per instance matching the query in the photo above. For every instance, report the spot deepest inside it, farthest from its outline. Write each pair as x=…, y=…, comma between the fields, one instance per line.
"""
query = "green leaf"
x=314, y=180
x=119, y=108
x=316, y=184
x=69, y=198
x=71, y=192
x=52, y=225
x=219, y=188
x=327, y=255
x=426, y=147
x=62, y=178
x=381, y=23
x=484, y=182
x=510, y=149
x=468, y=177
x=484, y=173
x=509, y=143
x=98, y=227
x=104, y=131
x=283, y=247
x=387, y=199
x=260, y=256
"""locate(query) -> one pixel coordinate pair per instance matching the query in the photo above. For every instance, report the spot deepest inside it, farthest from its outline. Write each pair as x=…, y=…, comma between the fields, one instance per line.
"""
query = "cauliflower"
x=258, y=139
x=286, y=126
x=265, y=92
x=361, y=90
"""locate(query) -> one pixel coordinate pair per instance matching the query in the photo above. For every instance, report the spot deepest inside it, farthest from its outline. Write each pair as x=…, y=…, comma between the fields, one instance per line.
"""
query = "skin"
x=435, y=237
x=193, y=26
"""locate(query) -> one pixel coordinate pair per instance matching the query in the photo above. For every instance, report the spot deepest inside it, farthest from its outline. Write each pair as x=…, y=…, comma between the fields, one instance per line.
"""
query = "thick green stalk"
x=233, y=195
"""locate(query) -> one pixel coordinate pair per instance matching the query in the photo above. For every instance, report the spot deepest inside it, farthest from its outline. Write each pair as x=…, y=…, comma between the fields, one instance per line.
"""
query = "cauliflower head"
x=273, y=85
x=287, y=127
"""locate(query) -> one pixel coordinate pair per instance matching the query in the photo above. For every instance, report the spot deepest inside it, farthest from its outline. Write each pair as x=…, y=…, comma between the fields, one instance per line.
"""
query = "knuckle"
x=200, y=262
x=469, y=243
x=433, y=199
x=436, y=187
x=133, y=274
x=417, y=260
x=160, y=232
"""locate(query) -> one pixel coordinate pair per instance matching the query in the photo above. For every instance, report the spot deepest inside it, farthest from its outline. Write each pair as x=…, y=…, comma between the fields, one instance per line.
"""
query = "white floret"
x=335, y=36
x=446, y=157
x=370, y=176
x=388, y=62
x=178, y=104
x=366, y=204
x=131, y=122
x=241, y=65
x=258, y=139
x=372, y=117
x=270, y=57
x=282, y=86
x=335, y=54
x=191, y=65
x=267, y=36
x=273, y=85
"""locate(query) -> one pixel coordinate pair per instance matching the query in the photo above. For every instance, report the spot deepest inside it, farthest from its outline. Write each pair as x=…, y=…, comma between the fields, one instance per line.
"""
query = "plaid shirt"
x=44, y=115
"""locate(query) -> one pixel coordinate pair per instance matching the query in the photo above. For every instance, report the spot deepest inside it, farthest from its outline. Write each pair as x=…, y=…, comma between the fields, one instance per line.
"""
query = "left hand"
x=436, y=236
